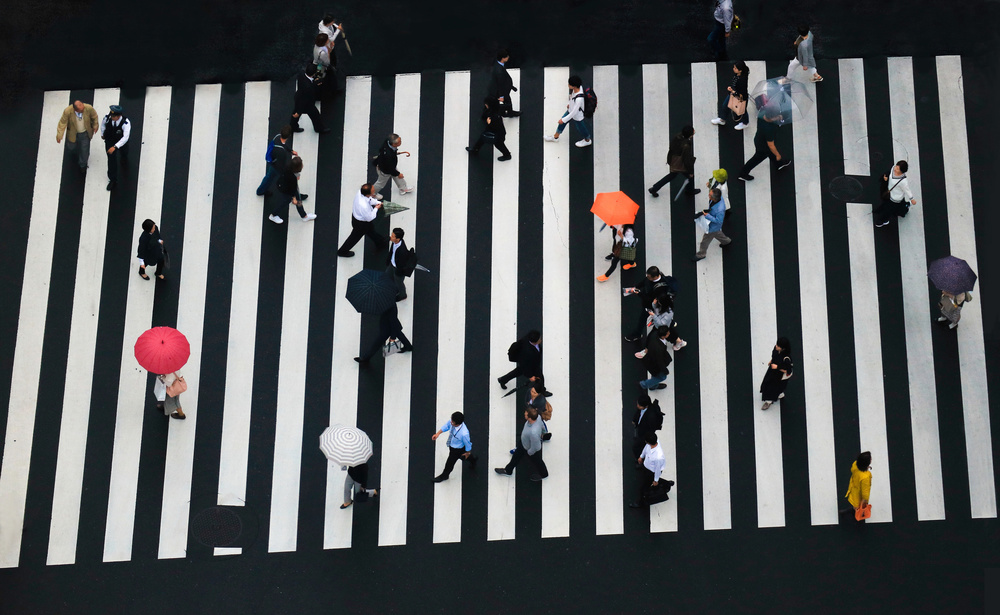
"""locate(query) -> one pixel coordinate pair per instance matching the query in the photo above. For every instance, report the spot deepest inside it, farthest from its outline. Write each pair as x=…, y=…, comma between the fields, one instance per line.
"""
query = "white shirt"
x=332, y=31
x=364, y=207
x=899, y=187
x=126, y=129
x=395, y=247
x=575, y=111
x=652, y=459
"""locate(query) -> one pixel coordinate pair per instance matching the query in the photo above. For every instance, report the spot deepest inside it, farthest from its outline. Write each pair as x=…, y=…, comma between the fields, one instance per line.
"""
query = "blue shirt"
x=460, y=438
x=716, y=214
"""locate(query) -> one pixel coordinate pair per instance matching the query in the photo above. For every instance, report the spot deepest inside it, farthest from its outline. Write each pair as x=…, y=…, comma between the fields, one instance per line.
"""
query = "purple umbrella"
x=952, y=274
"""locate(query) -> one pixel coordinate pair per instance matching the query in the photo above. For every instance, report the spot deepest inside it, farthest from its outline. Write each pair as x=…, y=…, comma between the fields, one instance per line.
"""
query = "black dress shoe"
x=345, y=254
x=111, y=185
x=504, y=158
x=298, y=129
x=360, y=360
x=654, y=192
x=303, y=197
x=440, y=479
x=513, y=114
x=502, y=385
x=547, y=394
x=696, y=191
x=501, y=471
x=660, y=386
x=471, y=151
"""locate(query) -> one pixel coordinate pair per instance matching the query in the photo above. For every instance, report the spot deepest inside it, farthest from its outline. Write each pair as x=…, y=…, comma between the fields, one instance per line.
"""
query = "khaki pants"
x=707, y=240
x=383, y=179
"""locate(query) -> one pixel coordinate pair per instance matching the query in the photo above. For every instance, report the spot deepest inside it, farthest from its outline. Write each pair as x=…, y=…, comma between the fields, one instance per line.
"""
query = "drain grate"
x=846, y=188
x=217, y=527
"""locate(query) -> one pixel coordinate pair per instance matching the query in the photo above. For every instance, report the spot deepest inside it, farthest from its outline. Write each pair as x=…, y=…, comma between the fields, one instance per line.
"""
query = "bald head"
x=78, y=105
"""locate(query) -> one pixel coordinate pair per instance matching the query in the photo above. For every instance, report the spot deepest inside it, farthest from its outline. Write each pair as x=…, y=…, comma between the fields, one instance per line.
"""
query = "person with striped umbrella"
x=350, y=448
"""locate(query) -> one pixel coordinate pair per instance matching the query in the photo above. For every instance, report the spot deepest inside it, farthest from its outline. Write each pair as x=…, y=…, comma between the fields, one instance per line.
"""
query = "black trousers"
x=520, y=453
x=506, y=108
x=359, y=229
x=454, y=454
x=120, y=156
x=666, y=180
x=888, y=210
x=759, y=155
x=313, y=114
x=645, y=479
x=728, y=114
x=499, y=144
x=380, y=341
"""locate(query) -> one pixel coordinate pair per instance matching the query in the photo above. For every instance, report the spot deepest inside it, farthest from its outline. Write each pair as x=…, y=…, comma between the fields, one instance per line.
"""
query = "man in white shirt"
x=653, y=462
x=574, y=113
x=115, y=130
x=329, y=28
x=895, y=194
x=363, y=216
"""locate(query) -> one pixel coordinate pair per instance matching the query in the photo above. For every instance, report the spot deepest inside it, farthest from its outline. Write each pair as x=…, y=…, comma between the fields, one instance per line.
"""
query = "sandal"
x=343, y=506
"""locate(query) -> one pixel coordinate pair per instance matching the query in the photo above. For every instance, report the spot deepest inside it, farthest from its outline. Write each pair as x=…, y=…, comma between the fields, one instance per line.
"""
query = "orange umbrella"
x=615, y=208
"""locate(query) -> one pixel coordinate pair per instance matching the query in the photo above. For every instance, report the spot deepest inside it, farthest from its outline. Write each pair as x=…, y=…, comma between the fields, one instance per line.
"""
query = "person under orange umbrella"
x=615, y=208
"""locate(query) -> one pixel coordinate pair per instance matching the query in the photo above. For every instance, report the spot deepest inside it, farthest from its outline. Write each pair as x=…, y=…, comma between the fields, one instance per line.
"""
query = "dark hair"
x=650, y=437
x=538, y=387
x=575, y=81
x=501, y=54
x=533, y=336
x=147, y=225
x=644, y=400
x=653, y=271
x=663, y=332
x=366, y=189
x=311, y=70
x=742, y=66
x=398, y=232
x=393, y=138
x=457, y=418
x=532, y=413
x=784, y=344
x=903, y=166
x=687, y=132
x=864, y=461
x=662, y=297
x=716, y=194
x=286, y=131
x=322, y=39
x=328, y=18
x=295, y=166
x=803, y=30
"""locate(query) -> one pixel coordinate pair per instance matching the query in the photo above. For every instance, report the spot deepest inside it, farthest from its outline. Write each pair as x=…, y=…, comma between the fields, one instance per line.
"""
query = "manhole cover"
x=216, y=527
x=846, y=188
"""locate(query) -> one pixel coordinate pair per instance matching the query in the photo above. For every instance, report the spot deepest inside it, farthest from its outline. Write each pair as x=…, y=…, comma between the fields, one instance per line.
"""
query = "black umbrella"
x=371, y=291
x=952, y=274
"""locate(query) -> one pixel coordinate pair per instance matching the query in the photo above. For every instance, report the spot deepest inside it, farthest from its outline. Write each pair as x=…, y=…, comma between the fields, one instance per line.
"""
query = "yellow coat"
x=90, y=122
x=860, y=487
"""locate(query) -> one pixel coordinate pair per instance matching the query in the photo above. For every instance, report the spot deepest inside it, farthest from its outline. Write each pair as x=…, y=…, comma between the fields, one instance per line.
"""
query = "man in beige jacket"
x=81, y=122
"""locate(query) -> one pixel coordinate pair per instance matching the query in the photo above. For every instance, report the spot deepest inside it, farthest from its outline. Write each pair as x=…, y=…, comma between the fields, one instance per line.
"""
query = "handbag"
x=737, y=106
x=627, y=253
x=177, y=387
x=864, y=512
x=392, y=347
x=547, y=413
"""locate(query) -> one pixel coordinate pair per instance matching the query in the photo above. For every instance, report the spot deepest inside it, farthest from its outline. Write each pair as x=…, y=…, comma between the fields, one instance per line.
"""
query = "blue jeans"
x=267, y=184
x=653, y=381
x=717, y=39
x=581, y=125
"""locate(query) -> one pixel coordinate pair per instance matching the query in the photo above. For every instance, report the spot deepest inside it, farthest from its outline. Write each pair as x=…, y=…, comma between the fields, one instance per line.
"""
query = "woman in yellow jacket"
x=860, y=486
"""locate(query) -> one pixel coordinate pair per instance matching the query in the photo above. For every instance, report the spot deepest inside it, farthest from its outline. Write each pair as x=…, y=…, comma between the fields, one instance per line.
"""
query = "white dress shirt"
x=126, y=129
x=652, y=459
x=364, y=207
x=332, y=31
x=395, y=247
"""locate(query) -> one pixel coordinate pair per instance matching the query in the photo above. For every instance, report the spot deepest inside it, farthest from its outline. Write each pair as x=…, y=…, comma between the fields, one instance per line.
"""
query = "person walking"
x=779, y=370
x=115, y=130
x=150, y=252
x=389, y=329
x=501, y=85
x=763, y=142
x=527, y=353
x=329, y=26
x=720, y=31
x=680, y=161
x=385, y=166
x=647, y=419
x=895, y=192
x=736, y=90
x=168, y=388
x=804, y=62
x=623, y=248
x=288, y=191
x=715, y=214
x=279, y=154
x=530, y=446
x=397, y=262
x=661, y=314
x=459, y=445
x=536, y=399
x=323, y=60
x=951, y=307
x=363, y=216
x=494, y=132
x=651, y=286
x=655, y=359
x=79, y=123
x=651, y=462
x=720, y=180
x=860, y=486
x=357, y=483
x=575, y=113
x=306, y=95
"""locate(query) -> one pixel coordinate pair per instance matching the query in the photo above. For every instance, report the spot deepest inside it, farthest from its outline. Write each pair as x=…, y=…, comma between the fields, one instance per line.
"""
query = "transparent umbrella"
x=781, y=99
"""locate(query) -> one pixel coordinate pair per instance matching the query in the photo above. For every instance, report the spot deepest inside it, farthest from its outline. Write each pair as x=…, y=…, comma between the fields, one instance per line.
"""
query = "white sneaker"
x=640, y=354
x=584, y=143
x=719, y=121
x=408, y=190
x=740, y=126
x=549, y=138
x=379, y=197
x=309, y=218
x=680, y=344
x=275, y=219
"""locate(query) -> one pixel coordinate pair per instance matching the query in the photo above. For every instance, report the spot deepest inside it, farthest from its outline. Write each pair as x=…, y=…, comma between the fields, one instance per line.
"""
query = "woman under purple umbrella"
x=955, y=279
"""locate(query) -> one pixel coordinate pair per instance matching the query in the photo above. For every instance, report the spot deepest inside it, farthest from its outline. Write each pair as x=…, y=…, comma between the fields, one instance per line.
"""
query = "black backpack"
x=589, y=102
x=514, y=351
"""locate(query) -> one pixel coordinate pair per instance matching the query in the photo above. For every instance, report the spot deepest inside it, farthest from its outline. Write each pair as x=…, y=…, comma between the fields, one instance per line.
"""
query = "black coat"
x=495, y=125
x=651, y=422
x=529, y=360
x=305, y=94
x=388, y=323
x=387, y=160
x=500, y=82
x=288, y=183
x=150, y=250
x=657, y=358
x=402, y=257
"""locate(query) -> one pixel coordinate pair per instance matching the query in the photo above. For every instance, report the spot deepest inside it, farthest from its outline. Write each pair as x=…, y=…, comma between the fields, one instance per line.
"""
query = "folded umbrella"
x=371, y=291
x=952, y=274
x=345, y=446
x=162, y=350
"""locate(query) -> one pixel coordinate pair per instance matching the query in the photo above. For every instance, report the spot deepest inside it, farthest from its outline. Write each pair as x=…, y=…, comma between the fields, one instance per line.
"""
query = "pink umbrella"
x=162, y=350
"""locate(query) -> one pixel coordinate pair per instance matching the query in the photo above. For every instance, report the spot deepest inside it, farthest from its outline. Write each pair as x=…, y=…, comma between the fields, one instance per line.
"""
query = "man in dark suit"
x=389, y=328
x=397, y=262
x=655, y=359
x=493, y=131
x=528, y=359
x=306, y=95
x=501, y=85
x=647, y=419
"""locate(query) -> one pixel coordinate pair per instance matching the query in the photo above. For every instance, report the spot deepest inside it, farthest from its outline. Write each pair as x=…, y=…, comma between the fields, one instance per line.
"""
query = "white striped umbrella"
x=345, y=446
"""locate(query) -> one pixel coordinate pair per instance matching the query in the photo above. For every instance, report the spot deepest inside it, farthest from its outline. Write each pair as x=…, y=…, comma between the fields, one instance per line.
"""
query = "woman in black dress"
x=779, y=370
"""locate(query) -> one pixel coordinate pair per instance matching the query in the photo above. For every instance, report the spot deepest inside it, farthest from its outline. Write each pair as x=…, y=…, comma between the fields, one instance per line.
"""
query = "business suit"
x=398, y=270
x=644, y=423
x=493, y=131
x=306, y=94
x=500, y=86
x=150, y=251
x=529, y=363
x=388, y=326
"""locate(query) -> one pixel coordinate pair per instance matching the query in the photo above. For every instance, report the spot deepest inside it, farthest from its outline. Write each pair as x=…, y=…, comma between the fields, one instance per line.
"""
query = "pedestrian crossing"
x=273, y=337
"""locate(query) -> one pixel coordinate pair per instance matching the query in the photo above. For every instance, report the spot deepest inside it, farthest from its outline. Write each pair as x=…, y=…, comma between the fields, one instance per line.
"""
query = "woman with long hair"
x=779, y=370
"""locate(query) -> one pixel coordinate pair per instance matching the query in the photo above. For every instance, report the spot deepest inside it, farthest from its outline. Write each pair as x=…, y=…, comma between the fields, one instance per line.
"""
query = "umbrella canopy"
x=952, y=274
x=389, y=208
x=615, y=208
x=346, y=446
x=162, y=350
x=370, y=291
x=781, y=99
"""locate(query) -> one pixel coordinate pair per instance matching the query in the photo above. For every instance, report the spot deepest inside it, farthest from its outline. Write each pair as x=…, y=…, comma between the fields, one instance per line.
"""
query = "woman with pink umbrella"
x=163, y=351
